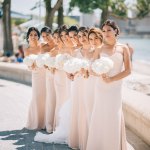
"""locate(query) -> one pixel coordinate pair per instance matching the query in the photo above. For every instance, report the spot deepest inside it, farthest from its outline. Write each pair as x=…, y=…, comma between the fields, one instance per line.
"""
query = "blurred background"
x=132, y=16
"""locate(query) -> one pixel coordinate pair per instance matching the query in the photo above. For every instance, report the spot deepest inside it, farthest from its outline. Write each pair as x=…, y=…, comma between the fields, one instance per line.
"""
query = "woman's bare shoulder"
x=44, y=45
x=27, y=51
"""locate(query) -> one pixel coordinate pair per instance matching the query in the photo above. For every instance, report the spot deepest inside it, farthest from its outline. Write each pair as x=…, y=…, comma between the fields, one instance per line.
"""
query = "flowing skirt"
x=78, y=122
x=62, y=92
x=36, y=113
x=106, y=117
x=50, y=102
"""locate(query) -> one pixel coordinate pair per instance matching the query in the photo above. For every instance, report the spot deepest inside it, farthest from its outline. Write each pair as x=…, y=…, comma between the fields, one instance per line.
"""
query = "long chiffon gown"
x=89, y=90
x=77, y=126
x=62, y=92
x=72, y=123
x=106, y=130
x=60, y=135
x=78, y=129
x=50, y=102
x=36, y=113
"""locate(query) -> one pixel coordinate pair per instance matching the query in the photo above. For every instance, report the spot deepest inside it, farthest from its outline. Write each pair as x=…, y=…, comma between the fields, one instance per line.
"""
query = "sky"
x=24, y=6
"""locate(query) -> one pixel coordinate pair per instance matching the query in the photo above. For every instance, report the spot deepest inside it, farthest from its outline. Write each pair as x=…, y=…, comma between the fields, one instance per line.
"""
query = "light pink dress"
x=62, y=92
x=36, y=113
x=50, y=101
x=78, y=122
x=89, y=96
x=106, y=127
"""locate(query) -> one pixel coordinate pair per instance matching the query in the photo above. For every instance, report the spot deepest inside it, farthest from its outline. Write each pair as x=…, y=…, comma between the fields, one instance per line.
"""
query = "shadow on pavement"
x=24, y=139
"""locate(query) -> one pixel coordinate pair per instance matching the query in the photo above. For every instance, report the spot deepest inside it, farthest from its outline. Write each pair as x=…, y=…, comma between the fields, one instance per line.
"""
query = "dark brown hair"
x=83, y=29
x=73, y=28
x=30, y=30
x=63, y=28
x=46, y=30
x=112, y=24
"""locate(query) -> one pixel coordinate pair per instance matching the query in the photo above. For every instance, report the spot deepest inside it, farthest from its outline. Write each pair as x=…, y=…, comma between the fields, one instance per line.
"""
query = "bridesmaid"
x=95, y=38
x=78, y=122
x=49, y=47
x=57, y=41
x=60, y=78
x=73, y=34
x=36, y=113
x=106, y=117
x=48, y=44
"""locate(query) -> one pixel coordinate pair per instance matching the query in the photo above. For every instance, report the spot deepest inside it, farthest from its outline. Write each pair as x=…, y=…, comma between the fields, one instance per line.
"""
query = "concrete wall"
x=15, y=72
x=136, y=107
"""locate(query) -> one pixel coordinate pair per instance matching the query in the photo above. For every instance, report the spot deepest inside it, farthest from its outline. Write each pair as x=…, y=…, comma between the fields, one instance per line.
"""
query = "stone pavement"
x=14, y=103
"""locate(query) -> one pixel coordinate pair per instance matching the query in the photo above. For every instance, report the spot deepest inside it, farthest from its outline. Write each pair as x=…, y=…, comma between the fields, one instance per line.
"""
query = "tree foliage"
x=114, y=7
x=143, y=8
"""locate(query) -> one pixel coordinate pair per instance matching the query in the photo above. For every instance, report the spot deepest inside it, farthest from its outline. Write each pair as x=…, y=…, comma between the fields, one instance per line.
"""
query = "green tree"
x=113, y=7
x=143, y=8
x=50, y=11
x=7, y=45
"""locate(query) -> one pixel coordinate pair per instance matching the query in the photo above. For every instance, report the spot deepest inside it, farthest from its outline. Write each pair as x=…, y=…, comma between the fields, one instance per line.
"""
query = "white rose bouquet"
x=84, y=67
x=30, y=60
x=72, y=66
x=102, y=65
x=40, y=61
x=84, y=64
x=61, y=59
x=50, y=62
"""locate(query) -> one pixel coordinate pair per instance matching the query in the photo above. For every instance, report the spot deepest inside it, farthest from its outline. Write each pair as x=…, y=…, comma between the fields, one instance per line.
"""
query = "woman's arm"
x=26, y=52
x=125, y=72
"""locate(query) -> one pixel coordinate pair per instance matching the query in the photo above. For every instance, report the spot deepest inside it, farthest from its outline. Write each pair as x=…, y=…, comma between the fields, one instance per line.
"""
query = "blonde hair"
x=97, y=32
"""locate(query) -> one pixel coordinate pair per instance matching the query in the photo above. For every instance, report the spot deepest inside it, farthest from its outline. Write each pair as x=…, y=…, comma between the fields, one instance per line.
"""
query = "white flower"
x=61, y=59
x=102, y=65
x=40, y=61
x=30, y=60
x=72, y=65
x=50, y=62
x=84, y=64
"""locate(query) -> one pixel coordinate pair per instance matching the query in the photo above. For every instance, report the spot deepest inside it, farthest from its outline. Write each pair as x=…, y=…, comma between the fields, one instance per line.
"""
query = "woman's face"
x=64, y=36
x=56, y=38
x=94, y=40
x=109, y=33
x=74, y=37
x=33, y=36
x=47, y=37
x=83, y=37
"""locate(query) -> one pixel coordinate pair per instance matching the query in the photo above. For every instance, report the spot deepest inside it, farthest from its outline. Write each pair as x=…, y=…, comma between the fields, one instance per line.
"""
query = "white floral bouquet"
x=72, y=66
x=84, y=64
x=50, y=62
x=40, y=60
x=30, y=60
x=61, y=59
x=102, y=65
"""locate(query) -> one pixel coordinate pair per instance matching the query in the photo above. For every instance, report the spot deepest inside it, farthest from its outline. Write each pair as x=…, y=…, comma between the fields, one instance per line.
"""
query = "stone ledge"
x=15, y=72
x=136, y=107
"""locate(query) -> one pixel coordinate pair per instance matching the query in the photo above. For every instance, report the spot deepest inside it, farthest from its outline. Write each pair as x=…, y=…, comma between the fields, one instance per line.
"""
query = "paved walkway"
x=14, y=103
